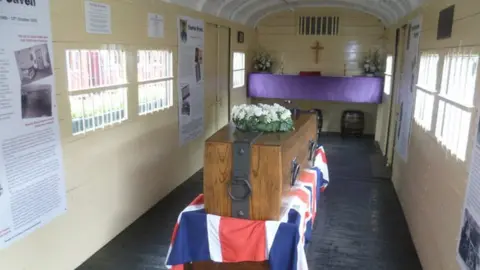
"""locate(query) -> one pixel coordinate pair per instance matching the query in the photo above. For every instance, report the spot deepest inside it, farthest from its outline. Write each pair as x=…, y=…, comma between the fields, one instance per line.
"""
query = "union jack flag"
x=199, y=236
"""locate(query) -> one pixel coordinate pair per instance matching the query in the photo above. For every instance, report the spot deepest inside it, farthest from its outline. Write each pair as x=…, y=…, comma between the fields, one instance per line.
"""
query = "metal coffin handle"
x=312, y=146
x=295, y=171
x=240, y=182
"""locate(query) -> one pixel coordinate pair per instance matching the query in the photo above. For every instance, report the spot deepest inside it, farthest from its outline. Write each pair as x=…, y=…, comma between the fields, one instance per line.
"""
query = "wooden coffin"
x=270, y=174
x=270, y=177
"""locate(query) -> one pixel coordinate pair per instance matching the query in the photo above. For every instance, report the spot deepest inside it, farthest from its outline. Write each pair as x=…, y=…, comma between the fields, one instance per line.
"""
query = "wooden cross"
x=317, y=49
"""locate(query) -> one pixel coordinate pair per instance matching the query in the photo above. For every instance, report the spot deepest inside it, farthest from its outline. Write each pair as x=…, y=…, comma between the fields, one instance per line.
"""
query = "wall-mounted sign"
x=406, y=94
x=155, y=25
x=190, y=79
x=468, y=254
x=98, y=18
x=32, y=187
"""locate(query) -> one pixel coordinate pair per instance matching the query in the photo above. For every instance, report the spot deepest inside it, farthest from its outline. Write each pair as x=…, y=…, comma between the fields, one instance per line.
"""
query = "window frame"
x=466, y=101
x=92, y=116
x=318, y=25
x=388, y=74
x=239, y=69
x=161, y=101
x=448, y=112
x=426, y=89
x=461, y=105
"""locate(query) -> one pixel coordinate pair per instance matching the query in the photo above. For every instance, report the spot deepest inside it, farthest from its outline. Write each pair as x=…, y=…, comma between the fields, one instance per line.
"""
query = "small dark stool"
x=353, y=123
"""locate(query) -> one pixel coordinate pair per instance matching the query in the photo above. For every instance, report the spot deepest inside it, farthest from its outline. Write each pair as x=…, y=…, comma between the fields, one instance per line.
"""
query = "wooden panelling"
x=343, y=54
x=359, y=33
x=431, y=183
x=279, y=30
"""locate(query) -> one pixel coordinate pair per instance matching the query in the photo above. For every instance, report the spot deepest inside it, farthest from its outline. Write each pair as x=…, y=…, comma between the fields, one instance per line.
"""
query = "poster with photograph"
x=406, y=95
x=190, y=78
x=32, y=187
x=468, y=249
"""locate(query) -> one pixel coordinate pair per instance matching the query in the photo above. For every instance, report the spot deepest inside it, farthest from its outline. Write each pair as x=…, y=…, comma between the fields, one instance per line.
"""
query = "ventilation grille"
x=318, y=25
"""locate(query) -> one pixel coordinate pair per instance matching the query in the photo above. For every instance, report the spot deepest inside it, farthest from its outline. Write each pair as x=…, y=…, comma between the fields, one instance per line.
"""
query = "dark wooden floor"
x=360, y=224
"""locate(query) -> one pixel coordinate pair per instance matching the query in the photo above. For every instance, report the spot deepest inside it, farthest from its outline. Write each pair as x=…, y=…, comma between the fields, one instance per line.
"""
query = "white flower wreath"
x=262, y=117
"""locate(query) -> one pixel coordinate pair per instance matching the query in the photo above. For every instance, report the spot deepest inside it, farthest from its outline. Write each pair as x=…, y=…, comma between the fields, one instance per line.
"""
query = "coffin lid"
x=229, y=133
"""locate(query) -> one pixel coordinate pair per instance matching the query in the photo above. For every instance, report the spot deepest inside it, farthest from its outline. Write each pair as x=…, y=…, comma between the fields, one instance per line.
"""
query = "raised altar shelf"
x=322, y=88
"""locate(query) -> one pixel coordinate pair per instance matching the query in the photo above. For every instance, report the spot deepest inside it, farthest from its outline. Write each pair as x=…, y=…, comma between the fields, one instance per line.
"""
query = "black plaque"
x=445, y=23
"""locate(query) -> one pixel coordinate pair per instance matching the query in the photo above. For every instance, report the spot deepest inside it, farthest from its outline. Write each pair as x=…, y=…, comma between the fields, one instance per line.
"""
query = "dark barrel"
x=353, y=123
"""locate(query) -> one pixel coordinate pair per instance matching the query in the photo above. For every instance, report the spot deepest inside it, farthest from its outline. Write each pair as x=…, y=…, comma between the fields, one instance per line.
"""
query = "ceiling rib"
x=250, y=12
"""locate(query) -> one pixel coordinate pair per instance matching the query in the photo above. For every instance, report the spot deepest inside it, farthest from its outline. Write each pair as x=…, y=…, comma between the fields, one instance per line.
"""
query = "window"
x=426, y=89
x=459, y=77
x=318, y=25
x=387, y=87
x=427, y=72
x=424, y=103
x=155, y=77
x=453, y=127
x=456, y=101
x=97, y=82
x=96, y=110
x=238, y=69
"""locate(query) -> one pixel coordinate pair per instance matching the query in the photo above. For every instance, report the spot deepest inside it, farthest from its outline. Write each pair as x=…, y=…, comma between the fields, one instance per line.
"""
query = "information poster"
x=98, y=18
x=155, y=25
x=468, y=251
x=407, y=87
x=32, y=188
x=190, y=78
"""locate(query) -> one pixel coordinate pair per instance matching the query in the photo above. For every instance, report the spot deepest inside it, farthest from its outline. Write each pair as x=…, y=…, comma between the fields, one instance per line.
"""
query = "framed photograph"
x=240, y=37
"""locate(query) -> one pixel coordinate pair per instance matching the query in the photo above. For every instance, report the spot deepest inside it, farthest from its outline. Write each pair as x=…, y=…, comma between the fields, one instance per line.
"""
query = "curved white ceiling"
x=250, y=12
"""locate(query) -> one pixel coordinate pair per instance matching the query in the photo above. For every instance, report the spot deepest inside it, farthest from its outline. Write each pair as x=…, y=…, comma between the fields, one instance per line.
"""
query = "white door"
x=217, y=72
x=224, y=70
x=210, y=70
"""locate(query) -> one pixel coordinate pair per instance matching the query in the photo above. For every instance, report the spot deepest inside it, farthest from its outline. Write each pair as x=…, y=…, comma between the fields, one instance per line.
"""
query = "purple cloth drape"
x=341, y=89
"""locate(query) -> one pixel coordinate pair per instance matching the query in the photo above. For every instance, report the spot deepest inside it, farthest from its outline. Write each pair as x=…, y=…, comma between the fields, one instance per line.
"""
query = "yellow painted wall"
x=113, y=176
x=431, y=184
x=359, y=33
